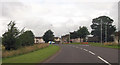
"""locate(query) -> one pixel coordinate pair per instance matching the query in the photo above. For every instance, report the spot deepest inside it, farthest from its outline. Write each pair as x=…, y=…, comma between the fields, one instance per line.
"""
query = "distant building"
x=65, y=38
x=76, y=40
x=93, y=39
x=57, y=40
x=38, y=40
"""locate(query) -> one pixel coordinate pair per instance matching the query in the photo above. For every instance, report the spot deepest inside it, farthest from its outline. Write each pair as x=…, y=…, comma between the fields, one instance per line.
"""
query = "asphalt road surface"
x=74, y=53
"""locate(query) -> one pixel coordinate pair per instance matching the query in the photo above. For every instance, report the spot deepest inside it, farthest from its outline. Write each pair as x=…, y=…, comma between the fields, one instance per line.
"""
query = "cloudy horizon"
x=61, y=17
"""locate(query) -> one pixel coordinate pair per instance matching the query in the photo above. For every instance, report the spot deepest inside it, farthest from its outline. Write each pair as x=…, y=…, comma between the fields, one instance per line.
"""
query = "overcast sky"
x=61, y=16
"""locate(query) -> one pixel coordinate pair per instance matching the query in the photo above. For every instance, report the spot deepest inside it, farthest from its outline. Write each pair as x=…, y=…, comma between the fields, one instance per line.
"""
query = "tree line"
x=13, y=39
x=102, y=28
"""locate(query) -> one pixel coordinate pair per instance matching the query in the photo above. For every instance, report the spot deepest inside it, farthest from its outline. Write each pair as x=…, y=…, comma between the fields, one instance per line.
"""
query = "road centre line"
x=77, y=47
x=91, y=52
x=103, y=60
x=94, y=54
x=85, y=49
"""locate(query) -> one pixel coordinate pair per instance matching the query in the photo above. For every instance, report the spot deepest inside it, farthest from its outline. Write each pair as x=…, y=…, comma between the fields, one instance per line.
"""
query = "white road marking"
x=77, y=47
x=81, y=48
x=73, y=46
x=91, y=52
x=103, y=60
x=85, y=49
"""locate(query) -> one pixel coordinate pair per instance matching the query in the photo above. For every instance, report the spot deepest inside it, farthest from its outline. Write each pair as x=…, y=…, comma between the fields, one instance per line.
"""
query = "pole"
x=106, y=33
x=101, y=31
x=69, y=37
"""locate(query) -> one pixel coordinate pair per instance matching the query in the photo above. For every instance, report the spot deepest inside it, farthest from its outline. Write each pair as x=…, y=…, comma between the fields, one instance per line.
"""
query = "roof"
x=66, y=35
x=56, y=37
x=38, y=37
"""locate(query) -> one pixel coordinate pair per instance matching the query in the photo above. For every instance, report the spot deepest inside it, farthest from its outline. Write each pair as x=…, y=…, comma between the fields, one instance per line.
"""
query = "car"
x=51, y=42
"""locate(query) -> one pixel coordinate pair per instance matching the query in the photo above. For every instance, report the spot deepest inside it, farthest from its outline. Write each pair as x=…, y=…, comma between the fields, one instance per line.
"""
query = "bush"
x=23, y=50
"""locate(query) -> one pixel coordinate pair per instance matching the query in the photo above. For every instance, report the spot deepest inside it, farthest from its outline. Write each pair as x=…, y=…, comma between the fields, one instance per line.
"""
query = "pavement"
x=75, y=53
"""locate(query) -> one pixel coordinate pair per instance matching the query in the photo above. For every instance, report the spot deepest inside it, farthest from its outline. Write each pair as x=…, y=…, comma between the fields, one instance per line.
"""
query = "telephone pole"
x=101, y=31
x=106, y=32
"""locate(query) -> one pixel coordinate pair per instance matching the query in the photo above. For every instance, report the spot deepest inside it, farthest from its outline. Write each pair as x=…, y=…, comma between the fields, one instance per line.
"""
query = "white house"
x=38, y=40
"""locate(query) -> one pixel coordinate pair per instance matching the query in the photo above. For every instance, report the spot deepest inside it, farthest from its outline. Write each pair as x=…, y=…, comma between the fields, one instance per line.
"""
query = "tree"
x=73, y=35
x=26, y=38
x=0, y=41
x=106, y=23
x=48, y=36
x=82, y=32
x=9, y=37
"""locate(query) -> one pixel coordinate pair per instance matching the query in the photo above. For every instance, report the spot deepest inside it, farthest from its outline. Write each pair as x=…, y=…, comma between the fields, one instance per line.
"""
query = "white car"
x=51, y=42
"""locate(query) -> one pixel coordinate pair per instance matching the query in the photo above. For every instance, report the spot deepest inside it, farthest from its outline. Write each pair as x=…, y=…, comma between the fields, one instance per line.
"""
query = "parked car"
x=51, y=42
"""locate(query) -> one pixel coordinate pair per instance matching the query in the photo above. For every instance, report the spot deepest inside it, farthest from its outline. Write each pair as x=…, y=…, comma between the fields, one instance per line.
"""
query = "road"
x=74, y=53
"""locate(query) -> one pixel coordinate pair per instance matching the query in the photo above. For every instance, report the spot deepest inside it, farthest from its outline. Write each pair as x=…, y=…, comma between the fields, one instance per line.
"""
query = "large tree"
x=104, y=23
x=82, y=32
x=26, y=38
x=48, y=36
x=9, y=37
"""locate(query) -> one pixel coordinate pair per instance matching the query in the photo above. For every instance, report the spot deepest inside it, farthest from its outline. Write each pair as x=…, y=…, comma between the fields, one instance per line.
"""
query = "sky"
x=61, y=16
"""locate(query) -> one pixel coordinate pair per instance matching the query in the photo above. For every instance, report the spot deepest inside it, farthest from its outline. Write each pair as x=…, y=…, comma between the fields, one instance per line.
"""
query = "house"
x=57, y=40
x=65, y=38
x=92, y=39
x=76, y=40
x=38, y=40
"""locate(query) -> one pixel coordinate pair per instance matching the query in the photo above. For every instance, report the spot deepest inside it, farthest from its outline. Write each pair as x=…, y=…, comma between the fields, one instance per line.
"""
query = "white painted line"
x=77, y=47
x=85, y=49
x=81, y=48
x=91, y=52
x=103, y=60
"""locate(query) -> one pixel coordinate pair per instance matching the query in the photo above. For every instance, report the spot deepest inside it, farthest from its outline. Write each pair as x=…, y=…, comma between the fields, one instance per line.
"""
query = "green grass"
x=75, y=43
x=100, y=45
x=108, y=46
x=33, y=57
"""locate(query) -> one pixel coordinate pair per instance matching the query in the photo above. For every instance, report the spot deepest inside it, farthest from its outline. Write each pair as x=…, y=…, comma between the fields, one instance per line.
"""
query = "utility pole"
x=69, y=37
x=106, y=32
x=101, y=31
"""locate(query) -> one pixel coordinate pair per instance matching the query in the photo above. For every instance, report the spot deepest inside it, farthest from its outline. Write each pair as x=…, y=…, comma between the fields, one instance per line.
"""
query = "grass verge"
x=102, y=45
x=33, y=57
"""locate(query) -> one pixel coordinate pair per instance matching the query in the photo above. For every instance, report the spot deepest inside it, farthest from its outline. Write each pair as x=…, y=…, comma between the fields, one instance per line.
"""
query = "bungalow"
x=65, y=38
x=57, y=40
x=38, y=40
